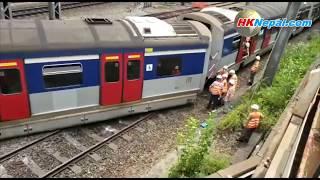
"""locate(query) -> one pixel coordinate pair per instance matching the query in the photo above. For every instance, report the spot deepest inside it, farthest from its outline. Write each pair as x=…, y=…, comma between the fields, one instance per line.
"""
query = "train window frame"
x=20, y=84
x=164, y=60
x=106, y=72
x=80, y=72
x=139, y=67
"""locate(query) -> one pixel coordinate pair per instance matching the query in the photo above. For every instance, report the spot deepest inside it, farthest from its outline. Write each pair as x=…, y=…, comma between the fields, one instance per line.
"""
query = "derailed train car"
x=56, y=74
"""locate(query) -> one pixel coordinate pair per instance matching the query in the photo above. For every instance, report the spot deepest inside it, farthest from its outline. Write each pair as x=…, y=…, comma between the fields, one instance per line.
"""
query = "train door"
x=111, y=79
x=14, y=101
x=242, y=53
x=121, y=78
x=133, y=77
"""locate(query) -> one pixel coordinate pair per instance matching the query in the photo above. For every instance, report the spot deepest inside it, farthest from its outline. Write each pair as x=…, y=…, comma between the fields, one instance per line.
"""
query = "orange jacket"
x=254, y=119
x=216, y=88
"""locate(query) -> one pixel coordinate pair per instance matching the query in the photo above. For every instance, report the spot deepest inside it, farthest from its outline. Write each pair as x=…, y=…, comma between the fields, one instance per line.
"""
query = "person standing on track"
x=223, y=71
x=253, y=123
x=232, y=75
x=253, y=70
x=230, y=94
x=216, y=92
x=225, y=88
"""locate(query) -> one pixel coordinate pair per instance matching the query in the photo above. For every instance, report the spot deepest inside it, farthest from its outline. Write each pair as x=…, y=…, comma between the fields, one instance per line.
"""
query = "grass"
x=273, y=99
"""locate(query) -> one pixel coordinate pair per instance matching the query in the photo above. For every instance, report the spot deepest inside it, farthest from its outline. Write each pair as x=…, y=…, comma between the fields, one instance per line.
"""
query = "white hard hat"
x=247, y=44
x=255, y=106
x=231, y=81
x=219, y=77
x=258, y=58
x=224, y=75
x=232, y=71
x=225, y=67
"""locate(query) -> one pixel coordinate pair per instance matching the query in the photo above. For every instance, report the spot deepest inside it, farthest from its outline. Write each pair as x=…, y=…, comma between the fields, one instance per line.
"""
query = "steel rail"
x=95, y=147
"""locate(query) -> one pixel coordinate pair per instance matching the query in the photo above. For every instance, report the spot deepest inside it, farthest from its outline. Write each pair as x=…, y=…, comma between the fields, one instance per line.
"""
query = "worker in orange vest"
x=216, y=92
x=253, y=70
x=252, y=124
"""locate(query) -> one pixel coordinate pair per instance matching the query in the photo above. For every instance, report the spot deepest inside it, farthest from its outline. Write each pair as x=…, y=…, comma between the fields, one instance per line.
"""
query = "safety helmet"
x=225, y=67
x=258, y=58
x=219, y=77
x=224, y=75
x=247, y=44
x=232, y=71
x=255, y=106
x=231, y=81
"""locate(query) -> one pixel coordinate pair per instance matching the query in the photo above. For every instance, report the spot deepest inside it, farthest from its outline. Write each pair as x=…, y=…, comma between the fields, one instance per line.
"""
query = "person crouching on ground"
x=253, y=70
x=253, y=123
x=229, y=96
x=216, y=92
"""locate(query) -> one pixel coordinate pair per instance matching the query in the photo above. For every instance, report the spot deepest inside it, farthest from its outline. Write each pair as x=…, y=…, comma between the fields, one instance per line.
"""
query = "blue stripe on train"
x=73, y=52
x=191, y=64
x=34, y=78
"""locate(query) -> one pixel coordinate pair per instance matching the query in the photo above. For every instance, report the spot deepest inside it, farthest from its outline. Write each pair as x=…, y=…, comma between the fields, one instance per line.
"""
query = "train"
x=62, y=73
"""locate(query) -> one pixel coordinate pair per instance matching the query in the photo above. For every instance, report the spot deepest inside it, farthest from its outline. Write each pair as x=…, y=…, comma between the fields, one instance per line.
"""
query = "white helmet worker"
x=224, y=76
x=232, y=71
x=219, y=77
x=258, y=58
x=231, y=82
x=225, y=67
x=255, y=106
x=247, y=44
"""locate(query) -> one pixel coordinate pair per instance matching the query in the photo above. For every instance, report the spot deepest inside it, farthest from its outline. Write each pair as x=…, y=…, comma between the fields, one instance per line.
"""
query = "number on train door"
x=14, y=99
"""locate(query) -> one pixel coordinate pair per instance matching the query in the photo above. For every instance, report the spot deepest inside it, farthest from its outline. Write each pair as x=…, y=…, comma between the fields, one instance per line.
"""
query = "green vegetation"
x=274, y=99
x=195, y=159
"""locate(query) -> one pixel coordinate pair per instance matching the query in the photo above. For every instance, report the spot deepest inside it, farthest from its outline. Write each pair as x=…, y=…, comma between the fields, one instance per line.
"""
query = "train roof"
x=24, y=35
x=41, y=35
x=267, y=10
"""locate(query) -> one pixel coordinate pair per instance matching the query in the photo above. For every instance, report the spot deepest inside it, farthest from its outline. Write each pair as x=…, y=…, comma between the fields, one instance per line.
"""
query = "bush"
x=194, y=159
x=213, y=163
x=275, y=98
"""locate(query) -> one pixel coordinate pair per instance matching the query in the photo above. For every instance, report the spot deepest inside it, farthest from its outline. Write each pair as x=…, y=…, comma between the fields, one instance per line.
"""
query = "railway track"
x=66, y=162
x=16, y=13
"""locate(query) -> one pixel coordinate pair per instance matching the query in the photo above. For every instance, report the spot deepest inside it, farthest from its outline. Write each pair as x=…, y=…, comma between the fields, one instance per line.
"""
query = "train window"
x=236, y=42
x=62, y=75
x=133, y=69
x=111, y=71
x=168, y=66
x=10, y=81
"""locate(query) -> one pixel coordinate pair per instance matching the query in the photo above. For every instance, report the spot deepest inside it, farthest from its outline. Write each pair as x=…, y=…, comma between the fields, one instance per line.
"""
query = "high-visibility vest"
x=216, y=88
x=255, y=66
x=254, y=120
